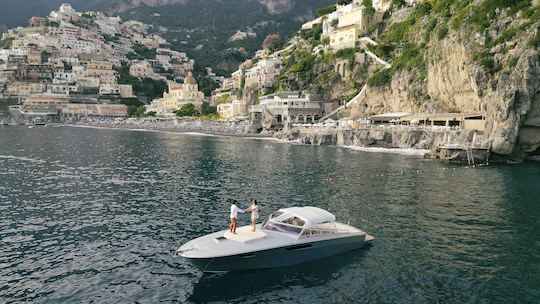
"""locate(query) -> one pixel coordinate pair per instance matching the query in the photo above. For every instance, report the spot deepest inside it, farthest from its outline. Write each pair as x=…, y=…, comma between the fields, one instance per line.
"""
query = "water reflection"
x=274, y=284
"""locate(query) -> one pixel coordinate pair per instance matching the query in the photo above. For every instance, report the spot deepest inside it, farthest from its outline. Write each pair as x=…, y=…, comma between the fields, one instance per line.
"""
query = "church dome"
x=190, y=79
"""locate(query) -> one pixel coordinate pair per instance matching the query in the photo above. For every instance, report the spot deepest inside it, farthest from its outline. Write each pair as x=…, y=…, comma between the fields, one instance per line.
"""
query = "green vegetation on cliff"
x=6, y=43
x=149, y=88
x=411, y=40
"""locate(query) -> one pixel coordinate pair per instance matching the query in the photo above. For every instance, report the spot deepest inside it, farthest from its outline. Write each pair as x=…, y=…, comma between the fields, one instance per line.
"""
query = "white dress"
x=254, y=212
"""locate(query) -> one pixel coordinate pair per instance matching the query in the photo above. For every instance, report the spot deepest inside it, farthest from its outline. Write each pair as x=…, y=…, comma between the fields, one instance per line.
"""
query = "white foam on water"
x=412, y=152
x=28, y=159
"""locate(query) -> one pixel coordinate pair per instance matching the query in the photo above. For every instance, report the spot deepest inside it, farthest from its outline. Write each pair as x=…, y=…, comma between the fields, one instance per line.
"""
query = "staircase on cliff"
x=364, y=42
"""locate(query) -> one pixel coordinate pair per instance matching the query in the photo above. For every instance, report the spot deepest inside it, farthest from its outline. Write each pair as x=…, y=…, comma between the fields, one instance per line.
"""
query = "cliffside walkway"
x=364, y=42
x=347, y=104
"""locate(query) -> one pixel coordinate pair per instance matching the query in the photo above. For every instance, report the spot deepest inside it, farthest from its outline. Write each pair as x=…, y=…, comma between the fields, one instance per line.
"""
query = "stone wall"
x=399, y=138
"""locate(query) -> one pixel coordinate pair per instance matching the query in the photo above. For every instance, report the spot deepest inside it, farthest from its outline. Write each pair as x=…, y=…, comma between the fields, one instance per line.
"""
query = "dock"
x=475, y=151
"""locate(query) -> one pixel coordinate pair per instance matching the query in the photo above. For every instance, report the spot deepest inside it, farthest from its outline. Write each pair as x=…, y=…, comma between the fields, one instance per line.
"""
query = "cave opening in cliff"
x=535, y=152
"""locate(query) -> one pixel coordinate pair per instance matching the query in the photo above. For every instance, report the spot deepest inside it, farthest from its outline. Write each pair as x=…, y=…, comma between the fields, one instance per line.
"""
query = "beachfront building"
x=300, y=107
x=112, y=110
x=47, y=104
x=466, y=121
x=179, y=94
x=92, y=109
x=388, y=117
x=236, y=109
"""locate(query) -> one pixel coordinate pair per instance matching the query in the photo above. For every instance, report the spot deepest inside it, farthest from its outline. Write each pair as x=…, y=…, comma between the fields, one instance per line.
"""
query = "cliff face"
x=454, y=83
x=504, y=83
x=446, y=56
x=276, y=7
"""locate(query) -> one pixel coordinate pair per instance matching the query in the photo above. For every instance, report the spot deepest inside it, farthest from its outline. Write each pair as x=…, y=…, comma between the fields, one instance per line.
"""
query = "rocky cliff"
x=495, y=71
x=450, y=56
x=276, y=7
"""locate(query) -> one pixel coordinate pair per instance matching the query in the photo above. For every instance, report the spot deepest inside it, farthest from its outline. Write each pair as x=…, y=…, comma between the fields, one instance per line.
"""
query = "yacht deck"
x=245, y=234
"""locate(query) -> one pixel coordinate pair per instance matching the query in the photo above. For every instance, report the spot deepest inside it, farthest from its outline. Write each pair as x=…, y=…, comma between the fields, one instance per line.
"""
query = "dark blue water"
x=96, y=215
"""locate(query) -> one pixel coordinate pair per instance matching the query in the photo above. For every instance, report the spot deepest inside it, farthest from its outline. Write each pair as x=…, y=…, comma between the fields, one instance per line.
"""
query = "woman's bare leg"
x=254, y=222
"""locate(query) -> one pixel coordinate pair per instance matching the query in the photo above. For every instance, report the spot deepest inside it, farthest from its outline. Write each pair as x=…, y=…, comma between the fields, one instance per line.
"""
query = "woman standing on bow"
x=254, y=213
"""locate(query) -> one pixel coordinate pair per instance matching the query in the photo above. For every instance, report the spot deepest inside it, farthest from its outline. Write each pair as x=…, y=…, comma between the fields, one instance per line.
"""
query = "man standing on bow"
x=234, y=216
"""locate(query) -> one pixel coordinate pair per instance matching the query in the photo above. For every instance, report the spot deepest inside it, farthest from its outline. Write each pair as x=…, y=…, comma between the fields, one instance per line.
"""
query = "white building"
x=62, y=88
x=264, y=73
x=290, y=107
x=236, y=109
x=64, y=77
x=123, y=90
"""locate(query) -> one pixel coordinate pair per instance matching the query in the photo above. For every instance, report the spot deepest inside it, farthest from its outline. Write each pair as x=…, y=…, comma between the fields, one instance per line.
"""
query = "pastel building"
x=351, y=27
x=44, y=105
x=179, y=94
x=264, y=73
x=233, y=110
x=25, y=88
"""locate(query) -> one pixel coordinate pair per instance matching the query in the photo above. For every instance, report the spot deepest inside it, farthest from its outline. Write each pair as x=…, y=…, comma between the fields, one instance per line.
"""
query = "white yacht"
x=289, y=236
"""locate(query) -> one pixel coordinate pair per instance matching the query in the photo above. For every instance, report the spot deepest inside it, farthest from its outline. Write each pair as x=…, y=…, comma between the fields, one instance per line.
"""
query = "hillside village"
x=381, y=68
x=82, y=64
x=260, y=86
x=423, y=74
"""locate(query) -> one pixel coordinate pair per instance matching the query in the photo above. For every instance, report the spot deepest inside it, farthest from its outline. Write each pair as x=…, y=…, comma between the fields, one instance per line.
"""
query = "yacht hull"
x=281, y=256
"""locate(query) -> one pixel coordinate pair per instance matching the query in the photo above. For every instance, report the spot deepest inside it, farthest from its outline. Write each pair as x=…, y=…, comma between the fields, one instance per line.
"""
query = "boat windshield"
x=322, y=229
x=282, y=227
x=291, y=224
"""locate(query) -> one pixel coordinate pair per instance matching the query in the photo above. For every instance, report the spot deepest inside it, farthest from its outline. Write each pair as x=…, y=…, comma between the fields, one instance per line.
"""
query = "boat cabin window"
x=282, y=227
x=294, y=221
x=292, y=224
x=320, y=229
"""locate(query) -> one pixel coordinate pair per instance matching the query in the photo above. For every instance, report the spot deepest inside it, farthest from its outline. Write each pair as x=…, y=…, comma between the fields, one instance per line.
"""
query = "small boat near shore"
x=289, y=236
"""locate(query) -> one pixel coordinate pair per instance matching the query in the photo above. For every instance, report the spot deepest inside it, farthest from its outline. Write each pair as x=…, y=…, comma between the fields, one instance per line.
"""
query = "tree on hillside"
x=186, y=110
x=207, y=109
x=269, y=40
